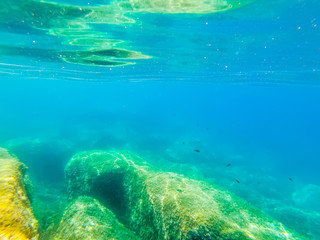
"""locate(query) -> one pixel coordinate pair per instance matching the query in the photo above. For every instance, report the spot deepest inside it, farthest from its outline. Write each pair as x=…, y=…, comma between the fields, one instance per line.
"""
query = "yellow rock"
x=16, y=217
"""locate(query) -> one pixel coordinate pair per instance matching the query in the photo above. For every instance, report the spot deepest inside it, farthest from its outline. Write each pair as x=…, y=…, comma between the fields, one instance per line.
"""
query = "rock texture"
x=86, y=218
x=164, y=205
x=16, y=217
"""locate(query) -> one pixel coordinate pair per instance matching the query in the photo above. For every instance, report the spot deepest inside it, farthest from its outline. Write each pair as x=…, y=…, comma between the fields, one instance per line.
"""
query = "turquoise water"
x=238, y=81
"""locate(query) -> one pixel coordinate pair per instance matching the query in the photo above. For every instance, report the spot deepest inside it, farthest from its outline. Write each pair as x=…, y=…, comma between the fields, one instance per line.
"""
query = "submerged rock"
x=165, y=205
x=16, y=217
x=307, y=197
x=86, y=218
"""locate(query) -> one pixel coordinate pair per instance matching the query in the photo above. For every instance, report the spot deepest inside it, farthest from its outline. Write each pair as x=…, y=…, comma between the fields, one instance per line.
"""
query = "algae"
x=166, y=205
x=85, y=218
x=118, y=195
x=16, y=216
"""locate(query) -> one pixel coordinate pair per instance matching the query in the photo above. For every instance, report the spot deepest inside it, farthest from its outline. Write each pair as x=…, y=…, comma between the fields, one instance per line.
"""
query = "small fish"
x=228, y=165
x=182, y=142
x=237, y=180
x=197, y=150
x=290, y=179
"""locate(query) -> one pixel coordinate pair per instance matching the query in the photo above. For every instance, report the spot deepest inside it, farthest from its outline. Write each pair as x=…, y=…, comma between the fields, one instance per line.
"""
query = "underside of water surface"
x=159, y=119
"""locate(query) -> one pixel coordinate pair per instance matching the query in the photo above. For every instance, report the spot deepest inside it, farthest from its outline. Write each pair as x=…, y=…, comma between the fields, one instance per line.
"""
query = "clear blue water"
x=241, y=85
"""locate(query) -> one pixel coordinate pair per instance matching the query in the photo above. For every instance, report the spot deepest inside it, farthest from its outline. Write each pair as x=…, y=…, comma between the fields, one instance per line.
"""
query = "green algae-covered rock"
x=166, y=205
x=87, y=219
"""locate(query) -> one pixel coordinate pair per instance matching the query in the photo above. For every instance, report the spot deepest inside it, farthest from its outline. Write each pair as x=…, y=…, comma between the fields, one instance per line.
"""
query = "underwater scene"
x=159, y=119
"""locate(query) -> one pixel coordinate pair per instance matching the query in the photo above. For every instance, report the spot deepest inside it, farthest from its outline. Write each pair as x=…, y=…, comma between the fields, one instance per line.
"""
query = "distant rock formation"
x=162, y=205
x=17, y=221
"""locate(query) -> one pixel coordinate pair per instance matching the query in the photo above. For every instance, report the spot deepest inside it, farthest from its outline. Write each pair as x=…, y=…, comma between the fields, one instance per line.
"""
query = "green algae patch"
x=165, y=205
x=86, y=218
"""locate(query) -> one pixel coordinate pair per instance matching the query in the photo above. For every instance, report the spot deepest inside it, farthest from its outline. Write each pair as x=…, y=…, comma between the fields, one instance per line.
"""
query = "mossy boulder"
x=165, y=205
x=16, y=216
x=86, y=218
